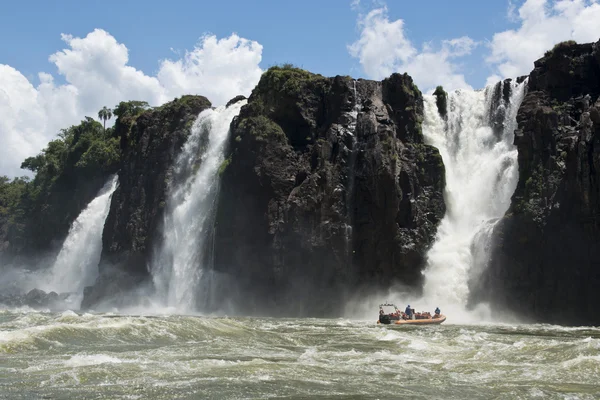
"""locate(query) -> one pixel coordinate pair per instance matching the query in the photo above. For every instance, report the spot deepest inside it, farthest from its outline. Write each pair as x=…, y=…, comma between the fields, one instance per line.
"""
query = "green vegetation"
x=224, y=165
x=83, y=146
x=412, y=90
x=72, y=168
x=287, y=79
x=126, y=113
x=420, y=151
x=81, y=154
x=261, y=127
x=529, y=202
x=560, y=46
x=11, y=211
x=130, y=108
x=104, y=114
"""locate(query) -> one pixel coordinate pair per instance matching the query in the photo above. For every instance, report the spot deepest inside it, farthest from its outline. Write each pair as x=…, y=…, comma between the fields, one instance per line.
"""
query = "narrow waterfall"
x=179, y=263
x=353, y=117
x=76, y=265
x=476, y=143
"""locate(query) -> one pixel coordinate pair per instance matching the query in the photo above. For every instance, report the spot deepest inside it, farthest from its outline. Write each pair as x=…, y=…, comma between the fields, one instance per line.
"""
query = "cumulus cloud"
x=97, y=73
x=543, y=23
x=219, y=69
x=383, y=48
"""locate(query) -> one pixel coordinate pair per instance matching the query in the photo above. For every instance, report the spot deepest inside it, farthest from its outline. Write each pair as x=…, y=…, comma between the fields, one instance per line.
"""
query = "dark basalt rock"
x=316, y=203
x=497, y=107
x=235, y=100
x=441, y=101
x=38, y=300
x=149, y=146
x=546, y=258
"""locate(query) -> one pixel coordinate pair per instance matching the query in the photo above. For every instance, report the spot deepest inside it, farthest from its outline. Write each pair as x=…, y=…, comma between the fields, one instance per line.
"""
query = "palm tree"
x=104, y=114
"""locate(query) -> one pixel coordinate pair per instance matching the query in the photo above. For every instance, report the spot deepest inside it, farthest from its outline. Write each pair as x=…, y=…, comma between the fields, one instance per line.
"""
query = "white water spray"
x=76, y=265
x=178, y=265
x=481, y=175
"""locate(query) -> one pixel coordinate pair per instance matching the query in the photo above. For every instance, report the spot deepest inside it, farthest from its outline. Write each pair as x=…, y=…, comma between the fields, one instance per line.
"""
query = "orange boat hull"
x=431, y=321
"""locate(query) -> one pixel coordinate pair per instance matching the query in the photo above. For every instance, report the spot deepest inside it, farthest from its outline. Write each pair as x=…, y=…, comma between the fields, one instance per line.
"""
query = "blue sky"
x=312, y=34
x=63, y=60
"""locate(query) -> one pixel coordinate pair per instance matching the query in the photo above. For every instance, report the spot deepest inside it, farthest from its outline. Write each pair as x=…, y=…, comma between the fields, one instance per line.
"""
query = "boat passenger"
x=437, y=310
x=408, y=311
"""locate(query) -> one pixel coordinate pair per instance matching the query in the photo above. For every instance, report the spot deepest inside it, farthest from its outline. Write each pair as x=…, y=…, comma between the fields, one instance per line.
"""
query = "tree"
x=130, y=108
x=104, y=114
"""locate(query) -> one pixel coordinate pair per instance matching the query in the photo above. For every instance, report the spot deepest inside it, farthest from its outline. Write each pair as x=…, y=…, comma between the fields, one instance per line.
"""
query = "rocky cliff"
x=327, y=188
x=545, y=262
x=150, y=141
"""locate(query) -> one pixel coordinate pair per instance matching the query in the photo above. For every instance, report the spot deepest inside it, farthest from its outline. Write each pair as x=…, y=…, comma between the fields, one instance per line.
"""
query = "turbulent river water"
x=74, y=355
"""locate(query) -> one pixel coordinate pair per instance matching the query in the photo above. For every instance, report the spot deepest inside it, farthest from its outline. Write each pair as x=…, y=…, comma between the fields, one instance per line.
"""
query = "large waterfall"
x=77, y=263
x=179, y=263
x=476, y=143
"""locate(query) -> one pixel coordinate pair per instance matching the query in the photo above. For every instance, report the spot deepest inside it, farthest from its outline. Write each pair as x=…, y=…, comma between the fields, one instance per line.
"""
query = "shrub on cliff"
x=560, y=46
x=287, y=79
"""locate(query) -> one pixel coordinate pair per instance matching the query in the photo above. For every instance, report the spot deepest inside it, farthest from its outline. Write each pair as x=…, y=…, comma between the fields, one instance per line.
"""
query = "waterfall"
x=179, y=262
x=353, y=117
x=76, y=265
x=476, y=143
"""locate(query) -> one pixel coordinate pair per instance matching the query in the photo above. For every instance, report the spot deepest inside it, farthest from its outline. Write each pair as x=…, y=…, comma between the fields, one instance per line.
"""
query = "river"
x=74, y=355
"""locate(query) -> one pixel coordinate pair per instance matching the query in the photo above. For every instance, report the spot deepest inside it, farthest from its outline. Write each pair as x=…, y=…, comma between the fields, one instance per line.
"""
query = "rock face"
x=545, y=263
x=38, y=299
x=328, y=187
x=149, y=145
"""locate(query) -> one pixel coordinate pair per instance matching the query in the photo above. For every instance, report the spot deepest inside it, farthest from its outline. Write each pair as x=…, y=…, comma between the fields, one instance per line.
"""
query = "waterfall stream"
x=76, y=265
x=178, y=266
x=476, y=144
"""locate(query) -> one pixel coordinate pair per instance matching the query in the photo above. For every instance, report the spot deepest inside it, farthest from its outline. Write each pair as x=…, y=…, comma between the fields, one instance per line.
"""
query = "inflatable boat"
x=397, y=317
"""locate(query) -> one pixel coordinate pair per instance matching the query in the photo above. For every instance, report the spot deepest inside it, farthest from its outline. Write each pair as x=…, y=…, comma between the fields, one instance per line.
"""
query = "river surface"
x=73, y=355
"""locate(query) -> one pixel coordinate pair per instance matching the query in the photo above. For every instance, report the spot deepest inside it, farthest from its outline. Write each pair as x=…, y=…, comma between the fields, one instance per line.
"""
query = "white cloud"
x=511, y=13
x=383, y=49
x=543, y=24
x=216, y=69
x=97, y=74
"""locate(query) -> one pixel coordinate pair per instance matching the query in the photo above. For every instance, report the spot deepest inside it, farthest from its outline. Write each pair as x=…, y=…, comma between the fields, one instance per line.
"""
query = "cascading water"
x=76, y=265
x=476, y=144
x=353, y=115
x=178, y=266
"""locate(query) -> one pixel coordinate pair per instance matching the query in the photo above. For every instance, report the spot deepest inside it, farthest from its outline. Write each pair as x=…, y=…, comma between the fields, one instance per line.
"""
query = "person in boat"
x=437, y=312
x=408, y=312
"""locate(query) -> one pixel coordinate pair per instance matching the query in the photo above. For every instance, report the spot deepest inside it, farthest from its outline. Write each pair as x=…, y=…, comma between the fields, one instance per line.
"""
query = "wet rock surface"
x=545, y=262
x=328, y=189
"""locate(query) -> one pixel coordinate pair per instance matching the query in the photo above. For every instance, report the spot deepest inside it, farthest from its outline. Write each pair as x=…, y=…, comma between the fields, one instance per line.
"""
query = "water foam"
x=113, y=356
